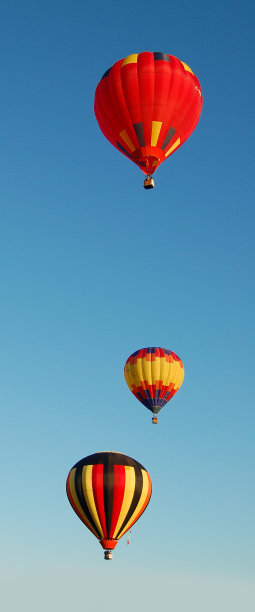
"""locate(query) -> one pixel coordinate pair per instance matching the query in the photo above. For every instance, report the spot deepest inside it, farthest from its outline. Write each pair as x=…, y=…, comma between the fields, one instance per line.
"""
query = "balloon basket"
x=108, y=555
x=148, y=182
x=154, y=419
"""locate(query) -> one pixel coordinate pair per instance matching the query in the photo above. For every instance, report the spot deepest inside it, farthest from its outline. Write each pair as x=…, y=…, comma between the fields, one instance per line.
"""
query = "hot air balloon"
x=108, y=491
x=147, y=105
x=154, y=375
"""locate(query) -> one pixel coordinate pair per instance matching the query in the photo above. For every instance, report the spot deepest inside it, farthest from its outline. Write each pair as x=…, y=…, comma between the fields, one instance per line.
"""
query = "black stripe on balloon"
x=168, y=137
x=100, y=458
x=139, y=132
x=106, y=73
x=143, y=401
x=108, y=487
x=124, y=150
x=161, y=56
x=81, y=498
x=135, y=500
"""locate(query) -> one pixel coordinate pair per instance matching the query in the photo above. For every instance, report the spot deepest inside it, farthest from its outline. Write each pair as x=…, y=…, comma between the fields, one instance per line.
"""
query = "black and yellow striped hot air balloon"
x=108, y=491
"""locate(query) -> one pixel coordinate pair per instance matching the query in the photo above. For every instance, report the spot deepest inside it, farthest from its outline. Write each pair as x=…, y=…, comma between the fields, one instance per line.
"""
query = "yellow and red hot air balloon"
x=154, y=375
x=108, y=491
x=147, y=105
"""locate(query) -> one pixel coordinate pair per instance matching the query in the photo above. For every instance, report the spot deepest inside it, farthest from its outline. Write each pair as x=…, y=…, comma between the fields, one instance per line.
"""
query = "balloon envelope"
x=147, y=105
x=108, y=491
x=154, y=375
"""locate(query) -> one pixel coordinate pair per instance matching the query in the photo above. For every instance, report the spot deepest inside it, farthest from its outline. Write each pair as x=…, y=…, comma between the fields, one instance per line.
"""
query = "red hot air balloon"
x=108, y=491
x=147, y=105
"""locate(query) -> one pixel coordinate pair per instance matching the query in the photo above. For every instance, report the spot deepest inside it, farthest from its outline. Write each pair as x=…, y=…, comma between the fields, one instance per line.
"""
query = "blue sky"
x=93, y=267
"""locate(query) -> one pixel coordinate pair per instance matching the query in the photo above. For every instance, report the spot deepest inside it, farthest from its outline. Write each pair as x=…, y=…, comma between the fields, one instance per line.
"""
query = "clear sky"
x=93, y=267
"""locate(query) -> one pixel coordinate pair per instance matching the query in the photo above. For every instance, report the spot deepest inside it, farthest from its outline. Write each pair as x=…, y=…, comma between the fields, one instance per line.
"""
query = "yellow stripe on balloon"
x=128, y=496
x=180, y=377
x=124, y=135
x=127, y=375
x=89, y=495
x=173, y=147
x=155, y=370
x=77, y=503
x=132, y=376
x=145, y=489
x=137, y=369
x=175, y=375
x=155, y=131
x=146, y=368
x=187, y=67
x=171, y=374
x=164, y=370
x=130, y=59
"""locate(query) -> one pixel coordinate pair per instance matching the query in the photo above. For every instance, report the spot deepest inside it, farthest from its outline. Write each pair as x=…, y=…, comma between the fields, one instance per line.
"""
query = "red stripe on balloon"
x=145, y=76
x=98, y=492
x=162, y=86
x=119, y=490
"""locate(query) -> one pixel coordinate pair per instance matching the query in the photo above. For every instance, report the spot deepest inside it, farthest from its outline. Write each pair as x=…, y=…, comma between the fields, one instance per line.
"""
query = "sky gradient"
x=92, y=268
